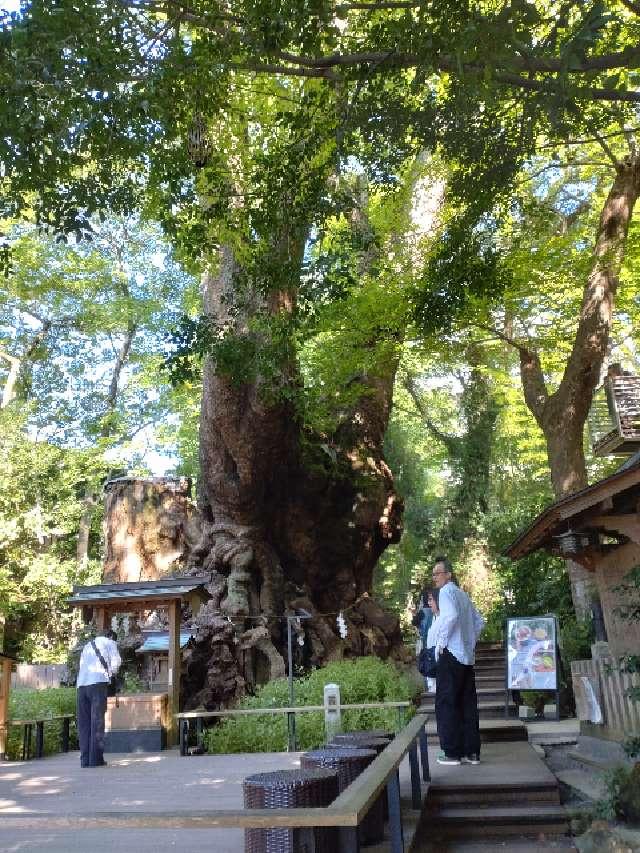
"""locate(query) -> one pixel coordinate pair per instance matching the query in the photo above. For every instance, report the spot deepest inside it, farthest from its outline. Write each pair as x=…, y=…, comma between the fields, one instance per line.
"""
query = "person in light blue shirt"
x=459, y=627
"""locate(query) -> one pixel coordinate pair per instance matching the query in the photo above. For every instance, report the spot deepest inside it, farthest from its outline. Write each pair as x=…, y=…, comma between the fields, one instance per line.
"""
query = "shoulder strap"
x=101, y=658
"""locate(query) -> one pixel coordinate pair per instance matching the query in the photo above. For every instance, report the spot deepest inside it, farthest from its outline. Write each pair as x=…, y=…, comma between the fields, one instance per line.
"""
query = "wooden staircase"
x=490, y=670
x=509, y=802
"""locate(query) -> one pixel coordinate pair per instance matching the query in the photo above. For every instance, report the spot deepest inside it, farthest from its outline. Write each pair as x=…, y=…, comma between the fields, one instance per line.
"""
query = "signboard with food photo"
x=531, y=653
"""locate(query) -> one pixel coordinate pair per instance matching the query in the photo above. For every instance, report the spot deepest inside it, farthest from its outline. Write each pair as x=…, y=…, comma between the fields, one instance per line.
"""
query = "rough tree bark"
x=562, y=414
x=289, y=522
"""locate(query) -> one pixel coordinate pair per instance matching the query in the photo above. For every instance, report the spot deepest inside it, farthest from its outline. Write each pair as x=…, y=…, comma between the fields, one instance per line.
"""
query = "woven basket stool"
x=350, y=762
x=362, y=741
x=288, y=789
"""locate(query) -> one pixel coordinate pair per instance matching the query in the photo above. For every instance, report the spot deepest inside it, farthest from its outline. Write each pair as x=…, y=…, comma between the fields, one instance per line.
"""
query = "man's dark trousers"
x=457, y=707
x=92, y=706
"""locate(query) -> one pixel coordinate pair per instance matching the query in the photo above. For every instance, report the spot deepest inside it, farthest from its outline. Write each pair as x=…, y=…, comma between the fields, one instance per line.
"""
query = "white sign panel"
x=531, y=653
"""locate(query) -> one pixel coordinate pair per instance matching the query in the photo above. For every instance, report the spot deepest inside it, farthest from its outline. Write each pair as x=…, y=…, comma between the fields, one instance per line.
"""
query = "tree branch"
x=451, y=442
x=633, y=7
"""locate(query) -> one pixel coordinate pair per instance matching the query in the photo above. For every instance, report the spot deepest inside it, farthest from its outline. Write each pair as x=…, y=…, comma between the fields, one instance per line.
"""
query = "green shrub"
x=39, y=704
x=622, y=799
x=361, y=680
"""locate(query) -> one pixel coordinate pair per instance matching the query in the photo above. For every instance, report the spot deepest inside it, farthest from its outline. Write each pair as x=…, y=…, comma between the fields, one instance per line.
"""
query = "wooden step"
x=495, y=844
x=469, y=823
x=490, y=682
x=491, y=731
x=490, y=657
x=443, y=794
x=485, y=694
x=491, y=710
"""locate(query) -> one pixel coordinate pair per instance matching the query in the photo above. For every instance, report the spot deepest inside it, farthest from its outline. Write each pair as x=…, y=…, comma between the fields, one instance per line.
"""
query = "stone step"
x=519, y=820
x=443, y=794
x=483, y=645
x=587, y=784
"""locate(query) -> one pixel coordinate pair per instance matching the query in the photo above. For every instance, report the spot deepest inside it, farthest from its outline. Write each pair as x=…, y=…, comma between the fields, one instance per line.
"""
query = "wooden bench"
x=27, y=733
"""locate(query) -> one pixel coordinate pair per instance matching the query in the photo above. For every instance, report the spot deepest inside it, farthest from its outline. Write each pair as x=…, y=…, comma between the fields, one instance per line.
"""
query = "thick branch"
x=531, y=375
x=451, y=442
x=582, y=373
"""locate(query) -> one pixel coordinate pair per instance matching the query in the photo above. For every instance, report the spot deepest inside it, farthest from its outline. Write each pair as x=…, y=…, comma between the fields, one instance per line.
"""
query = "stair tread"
x=459, y=787
x=491, y=845
x=518, y=811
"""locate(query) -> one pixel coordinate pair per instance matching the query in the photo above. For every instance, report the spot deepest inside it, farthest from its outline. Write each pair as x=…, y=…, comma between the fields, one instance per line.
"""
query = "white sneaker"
x=445, y=759
x=471, y=759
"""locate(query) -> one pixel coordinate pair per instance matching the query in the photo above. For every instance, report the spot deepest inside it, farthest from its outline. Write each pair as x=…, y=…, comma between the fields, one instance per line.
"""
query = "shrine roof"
x=158, y=641
x=556, y=517
x=167, y=589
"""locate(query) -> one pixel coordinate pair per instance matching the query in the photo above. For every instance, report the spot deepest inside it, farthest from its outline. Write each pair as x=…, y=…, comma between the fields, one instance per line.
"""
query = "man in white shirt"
x=459, y=627
x=98, y=662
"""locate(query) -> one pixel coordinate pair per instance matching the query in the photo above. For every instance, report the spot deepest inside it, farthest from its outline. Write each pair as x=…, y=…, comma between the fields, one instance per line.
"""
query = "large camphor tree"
x=273, y=100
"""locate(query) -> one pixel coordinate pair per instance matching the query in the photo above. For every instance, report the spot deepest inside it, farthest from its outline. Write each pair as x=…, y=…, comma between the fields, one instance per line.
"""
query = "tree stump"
x=145, y=527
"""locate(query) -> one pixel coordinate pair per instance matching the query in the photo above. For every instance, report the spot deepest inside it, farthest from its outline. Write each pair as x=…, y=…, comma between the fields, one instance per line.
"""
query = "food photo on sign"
x=531, y=661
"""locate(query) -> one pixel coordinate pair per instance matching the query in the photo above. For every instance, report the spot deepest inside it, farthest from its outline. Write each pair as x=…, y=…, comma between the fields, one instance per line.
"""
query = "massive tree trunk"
x=562, y=415
x=288, y=522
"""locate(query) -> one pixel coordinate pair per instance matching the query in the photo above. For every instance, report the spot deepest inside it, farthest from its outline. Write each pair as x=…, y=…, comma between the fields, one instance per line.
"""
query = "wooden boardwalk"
x=159, y=783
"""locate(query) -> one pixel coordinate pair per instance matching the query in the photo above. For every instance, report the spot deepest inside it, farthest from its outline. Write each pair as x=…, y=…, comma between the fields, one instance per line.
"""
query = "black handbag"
x=112, y=684
x=427, y=663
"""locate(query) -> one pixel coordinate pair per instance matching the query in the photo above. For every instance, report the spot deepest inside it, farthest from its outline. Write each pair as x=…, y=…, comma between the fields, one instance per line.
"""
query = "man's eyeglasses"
x=440, y=572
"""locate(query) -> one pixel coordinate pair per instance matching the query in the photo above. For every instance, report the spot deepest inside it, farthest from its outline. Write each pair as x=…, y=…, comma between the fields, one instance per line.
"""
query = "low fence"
x=331, y=710
x=38, y=676
x=601, y=691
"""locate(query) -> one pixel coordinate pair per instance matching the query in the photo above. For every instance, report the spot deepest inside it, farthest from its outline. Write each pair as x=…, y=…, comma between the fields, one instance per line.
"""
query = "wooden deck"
x=37, y=798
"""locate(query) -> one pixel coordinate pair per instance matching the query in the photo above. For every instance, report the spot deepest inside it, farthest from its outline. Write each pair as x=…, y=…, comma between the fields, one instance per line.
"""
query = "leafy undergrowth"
x=39, y=704
x=361, y=680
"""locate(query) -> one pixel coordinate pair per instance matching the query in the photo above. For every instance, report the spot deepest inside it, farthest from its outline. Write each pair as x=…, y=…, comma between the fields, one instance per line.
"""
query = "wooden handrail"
x=296, y=709
x=36, y=720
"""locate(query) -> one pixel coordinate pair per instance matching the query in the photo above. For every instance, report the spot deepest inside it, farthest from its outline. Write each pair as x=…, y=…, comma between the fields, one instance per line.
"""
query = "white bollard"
x=332, y=713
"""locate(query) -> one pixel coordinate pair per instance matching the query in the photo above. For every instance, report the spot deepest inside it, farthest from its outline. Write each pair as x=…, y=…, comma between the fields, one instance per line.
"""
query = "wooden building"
x=599, y=527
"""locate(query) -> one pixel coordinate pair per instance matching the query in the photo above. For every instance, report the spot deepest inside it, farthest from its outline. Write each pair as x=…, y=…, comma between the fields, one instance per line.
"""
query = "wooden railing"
x=185, y=718
x=610, y=687
x=38, y=723
x=346, y=812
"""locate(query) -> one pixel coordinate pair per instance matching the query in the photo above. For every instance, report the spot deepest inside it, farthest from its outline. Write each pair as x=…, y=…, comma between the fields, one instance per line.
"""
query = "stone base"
x=135, y=740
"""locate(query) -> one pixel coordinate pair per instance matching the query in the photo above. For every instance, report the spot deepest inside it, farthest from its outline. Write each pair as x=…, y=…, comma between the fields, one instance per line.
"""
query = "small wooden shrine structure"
x=154, y=653
x=102, y=601
x=599, y=527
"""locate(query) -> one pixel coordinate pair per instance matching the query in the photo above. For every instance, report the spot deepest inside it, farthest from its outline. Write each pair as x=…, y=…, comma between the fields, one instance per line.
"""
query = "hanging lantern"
x=198, y=142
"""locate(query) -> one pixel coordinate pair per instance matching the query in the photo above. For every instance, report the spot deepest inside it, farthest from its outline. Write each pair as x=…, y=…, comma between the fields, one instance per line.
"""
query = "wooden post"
x=101, y=619
x=174, y=672
x=5, y=685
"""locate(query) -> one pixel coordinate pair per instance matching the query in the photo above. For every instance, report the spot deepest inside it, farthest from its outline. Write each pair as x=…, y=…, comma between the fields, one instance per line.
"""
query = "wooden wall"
x=623, y=634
